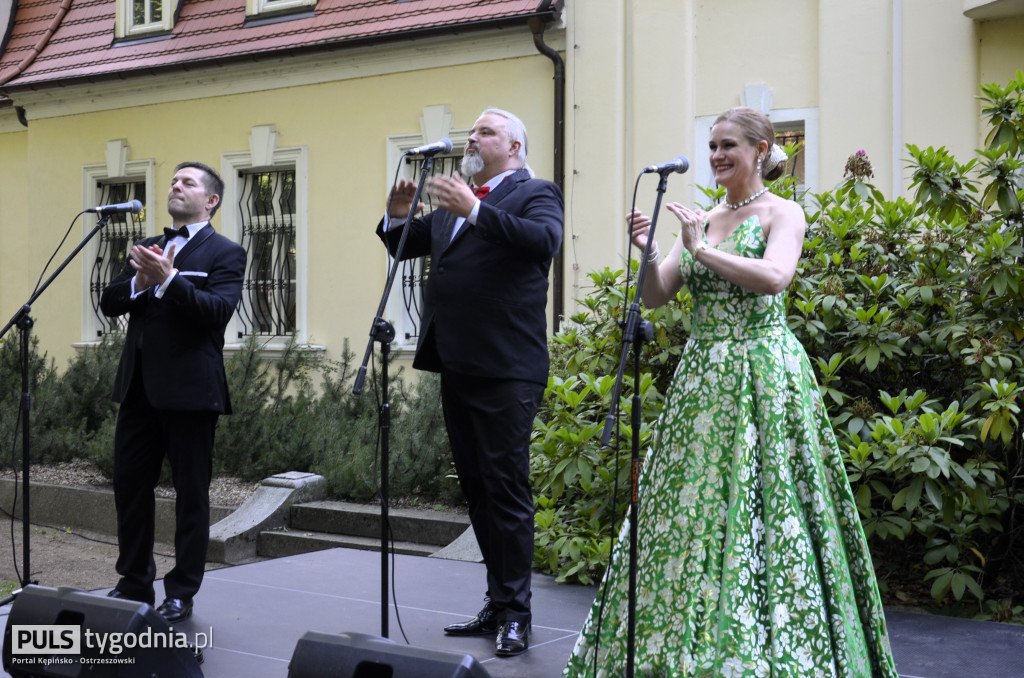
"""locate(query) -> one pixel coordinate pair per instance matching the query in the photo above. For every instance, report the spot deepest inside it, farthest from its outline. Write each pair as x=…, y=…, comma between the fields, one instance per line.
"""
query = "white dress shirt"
x=179, y=242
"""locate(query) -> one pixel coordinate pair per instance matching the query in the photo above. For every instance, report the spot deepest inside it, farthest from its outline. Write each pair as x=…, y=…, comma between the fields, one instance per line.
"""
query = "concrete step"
x=288, y=542
x=421, y=526
x=318, y=525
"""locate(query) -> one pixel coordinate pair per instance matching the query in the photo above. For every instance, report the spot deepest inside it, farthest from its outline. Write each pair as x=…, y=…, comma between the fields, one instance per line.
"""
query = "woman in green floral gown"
x=751, y=557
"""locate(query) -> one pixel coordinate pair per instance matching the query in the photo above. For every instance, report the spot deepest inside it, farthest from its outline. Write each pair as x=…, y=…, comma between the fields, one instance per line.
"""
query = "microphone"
x=134, y=207
x=442, y=146
x=678, y=164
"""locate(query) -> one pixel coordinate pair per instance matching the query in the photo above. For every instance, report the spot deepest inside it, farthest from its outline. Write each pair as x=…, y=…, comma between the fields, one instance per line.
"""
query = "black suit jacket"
x=181, y=335
x=486, y=293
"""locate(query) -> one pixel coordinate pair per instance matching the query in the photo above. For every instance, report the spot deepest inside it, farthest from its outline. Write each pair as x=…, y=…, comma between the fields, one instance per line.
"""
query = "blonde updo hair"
x=757, y=128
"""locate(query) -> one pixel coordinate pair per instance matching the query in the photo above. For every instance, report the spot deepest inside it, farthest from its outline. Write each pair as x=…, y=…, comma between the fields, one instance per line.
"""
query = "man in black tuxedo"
x=179, y=291
x=484, y=330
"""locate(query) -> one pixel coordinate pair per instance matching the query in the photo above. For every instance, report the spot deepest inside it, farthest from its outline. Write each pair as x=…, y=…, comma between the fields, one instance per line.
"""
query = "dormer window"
x=262, y=8
x=140, y=18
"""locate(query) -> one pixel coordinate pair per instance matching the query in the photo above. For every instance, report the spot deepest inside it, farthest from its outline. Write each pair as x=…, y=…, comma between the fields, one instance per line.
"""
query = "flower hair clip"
x=776, y=157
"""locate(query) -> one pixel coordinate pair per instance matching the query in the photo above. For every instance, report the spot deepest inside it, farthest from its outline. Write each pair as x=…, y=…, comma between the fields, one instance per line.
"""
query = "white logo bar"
x=46, y=639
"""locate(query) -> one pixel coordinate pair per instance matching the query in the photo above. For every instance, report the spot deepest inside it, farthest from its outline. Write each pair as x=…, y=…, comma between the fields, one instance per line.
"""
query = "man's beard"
x=472, y=164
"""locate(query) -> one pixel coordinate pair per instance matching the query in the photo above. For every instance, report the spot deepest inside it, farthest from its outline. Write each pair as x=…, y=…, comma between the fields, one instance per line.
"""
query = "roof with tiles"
x=55, y=42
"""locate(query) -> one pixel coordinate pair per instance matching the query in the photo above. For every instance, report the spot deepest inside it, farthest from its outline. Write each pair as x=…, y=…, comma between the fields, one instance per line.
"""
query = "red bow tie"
x=481, y=191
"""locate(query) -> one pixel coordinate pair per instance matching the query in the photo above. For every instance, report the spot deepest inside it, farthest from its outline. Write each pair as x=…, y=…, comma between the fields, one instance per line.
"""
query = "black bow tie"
x=172, y=233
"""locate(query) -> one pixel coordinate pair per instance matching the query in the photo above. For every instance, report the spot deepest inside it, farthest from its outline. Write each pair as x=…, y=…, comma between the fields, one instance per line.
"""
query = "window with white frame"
x=255, y=8
x=793, y=136
x=139, y=18
x=264, y=210
x=405, y=300
x=115, y=241
x=413, y=273
x=105, y=254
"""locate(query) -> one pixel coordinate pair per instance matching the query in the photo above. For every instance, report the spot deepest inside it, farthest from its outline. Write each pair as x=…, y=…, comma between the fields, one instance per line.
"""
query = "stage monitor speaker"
x=357, y=655
x=148, y=646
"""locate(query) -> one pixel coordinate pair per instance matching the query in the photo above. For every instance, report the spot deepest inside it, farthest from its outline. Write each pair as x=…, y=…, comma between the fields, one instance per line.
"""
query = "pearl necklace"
x=741, y=203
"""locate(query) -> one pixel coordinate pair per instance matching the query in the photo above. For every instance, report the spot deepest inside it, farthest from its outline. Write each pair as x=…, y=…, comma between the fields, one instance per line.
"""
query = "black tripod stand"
x=382, y=331
x=23, y=320
x=634, y=334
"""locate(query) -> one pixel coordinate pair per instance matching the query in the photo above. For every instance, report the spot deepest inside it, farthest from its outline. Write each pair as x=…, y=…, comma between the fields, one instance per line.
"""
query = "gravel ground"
x=224, y=491
x=79, y=558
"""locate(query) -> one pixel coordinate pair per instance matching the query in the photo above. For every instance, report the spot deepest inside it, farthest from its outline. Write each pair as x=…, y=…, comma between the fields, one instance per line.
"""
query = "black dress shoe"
x=175, y=609
x=513, y=639
x=121, y=595
x=485, y=623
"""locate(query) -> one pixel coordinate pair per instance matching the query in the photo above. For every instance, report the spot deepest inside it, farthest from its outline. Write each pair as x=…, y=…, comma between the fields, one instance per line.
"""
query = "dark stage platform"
x=258, y=612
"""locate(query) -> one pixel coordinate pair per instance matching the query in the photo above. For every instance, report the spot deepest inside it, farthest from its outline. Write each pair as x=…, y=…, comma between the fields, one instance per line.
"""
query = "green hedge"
x=296, y=413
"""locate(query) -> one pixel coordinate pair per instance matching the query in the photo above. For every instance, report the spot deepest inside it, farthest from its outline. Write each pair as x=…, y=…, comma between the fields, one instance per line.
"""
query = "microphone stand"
x=635, y=333
x=24, y=321
x=384, y=332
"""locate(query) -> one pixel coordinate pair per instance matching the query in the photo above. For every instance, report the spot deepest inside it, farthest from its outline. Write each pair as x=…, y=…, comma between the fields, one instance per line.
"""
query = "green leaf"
x=933, y=493
x=941, y=585
x=957, y=584
x=963, y=475
x=914, y=495
x=864, y=498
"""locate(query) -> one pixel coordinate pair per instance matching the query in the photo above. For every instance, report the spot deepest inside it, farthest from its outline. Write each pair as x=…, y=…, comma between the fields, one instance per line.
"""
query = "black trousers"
x=489, y=423
x=143, y=437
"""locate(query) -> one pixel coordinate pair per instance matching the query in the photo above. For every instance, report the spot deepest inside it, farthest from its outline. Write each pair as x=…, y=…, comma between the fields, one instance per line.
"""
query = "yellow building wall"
x=1001, y=49
x=14, y=211
x=635, y=93
x=57, y=150
x=940, y=79
x=661, y=104
x=879, y=74
x=1001, y=54
x=344, y=125
x=598, y=152
x=855, y=84
x=747, y=42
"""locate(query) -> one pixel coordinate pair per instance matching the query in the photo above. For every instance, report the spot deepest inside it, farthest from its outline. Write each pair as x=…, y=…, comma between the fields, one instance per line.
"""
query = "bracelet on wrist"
x=653, y=256
x=699, y=247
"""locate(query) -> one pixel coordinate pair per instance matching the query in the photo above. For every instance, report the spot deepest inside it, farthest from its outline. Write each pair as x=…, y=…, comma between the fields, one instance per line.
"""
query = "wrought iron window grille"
x=115, y=242
x=415, y=272
x=268, y=226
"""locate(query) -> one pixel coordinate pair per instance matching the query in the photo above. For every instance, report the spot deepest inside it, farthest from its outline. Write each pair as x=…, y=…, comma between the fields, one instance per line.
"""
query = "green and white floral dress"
x=751, y=557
